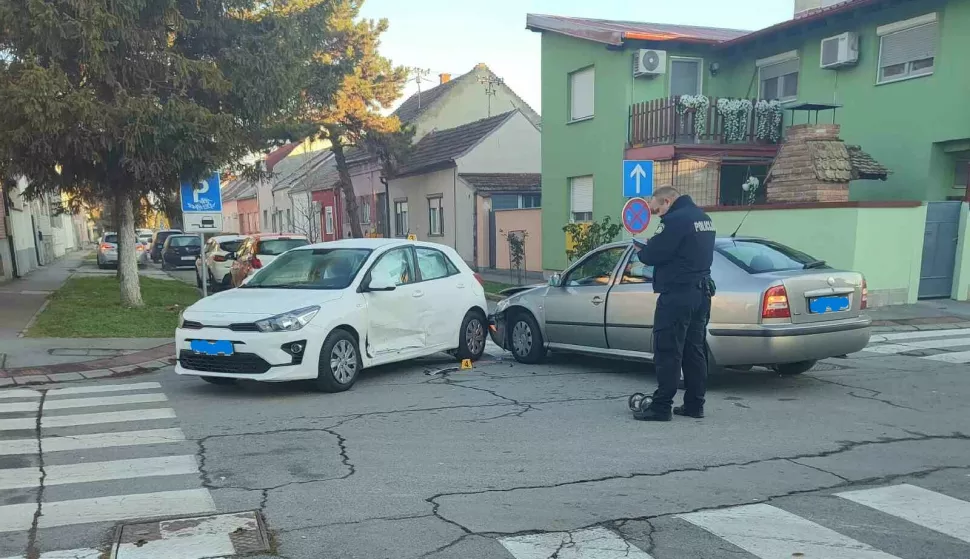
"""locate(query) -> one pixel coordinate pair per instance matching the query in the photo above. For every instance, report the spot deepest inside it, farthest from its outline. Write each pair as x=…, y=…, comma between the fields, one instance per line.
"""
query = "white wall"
x=467, y=102
x=513, y=148
x=455, y=197
x=230, y=216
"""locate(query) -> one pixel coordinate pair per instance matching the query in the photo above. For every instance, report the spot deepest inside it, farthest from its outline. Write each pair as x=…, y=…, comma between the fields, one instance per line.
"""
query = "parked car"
x=219, y=254
x=775, y=307
x=259, y=250
x=145, y=238
x=108, y=251
x=158, y=241
x=180, y=251
x=324, y=312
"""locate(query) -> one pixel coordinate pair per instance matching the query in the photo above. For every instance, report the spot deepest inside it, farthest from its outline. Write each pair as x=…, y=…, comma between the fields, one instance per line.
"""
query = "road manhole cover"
x=193, y=538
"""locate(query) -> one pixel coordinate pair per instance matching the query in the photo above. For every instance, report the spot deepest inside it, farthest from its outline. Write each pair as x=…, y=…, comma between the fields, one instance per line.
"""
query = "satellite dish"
x=650, y=61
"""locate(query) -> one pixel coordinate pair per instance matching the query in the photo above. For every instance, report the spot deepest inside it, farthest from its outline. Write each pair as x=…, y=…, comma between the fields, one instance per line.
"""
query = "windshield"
x=184, y=241
x=162, y=235
x=111, y=239
x=757, y=256
x=273, y=247
x=321, y=268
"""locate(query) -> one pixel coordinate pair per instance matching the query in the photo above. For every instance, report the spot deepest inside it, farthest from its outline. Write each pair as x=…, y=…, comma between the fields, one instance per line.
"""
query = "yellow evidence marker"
x=466, y=364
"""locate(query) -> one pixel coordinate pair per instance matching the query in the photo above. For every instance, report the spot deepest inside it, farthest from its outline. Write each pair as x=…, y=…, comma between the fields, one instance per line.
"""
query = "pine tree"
x=116, y=100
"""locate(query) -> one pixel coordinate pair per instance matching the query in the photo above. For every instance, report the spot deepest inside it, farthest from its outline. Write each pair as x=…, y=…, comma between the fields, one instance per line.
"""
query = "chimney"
x=812, y=166
x=444, y=78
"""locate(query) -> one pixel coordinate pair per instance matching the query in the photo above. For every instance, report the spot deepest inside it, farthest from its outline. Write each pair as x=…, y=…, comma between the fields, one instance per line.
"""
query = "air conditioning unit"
x=649, y=62
x=841, y=50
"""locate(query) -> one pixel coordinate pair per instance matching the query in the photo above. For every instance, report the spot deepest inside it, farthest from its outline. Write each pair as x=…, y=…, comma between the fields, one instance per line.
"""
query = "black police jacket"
x=682, y=250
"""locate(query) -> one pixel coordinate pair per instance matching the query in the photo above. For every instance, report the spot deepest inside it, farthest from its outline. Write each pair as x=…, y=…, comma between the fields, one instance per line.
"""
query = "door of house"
x=939, y=249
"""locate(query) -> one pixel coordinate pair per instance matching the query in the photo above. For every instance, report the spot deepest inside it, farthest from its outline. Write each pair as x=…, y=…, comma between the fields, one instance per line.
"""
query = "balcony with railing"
x=722, y=124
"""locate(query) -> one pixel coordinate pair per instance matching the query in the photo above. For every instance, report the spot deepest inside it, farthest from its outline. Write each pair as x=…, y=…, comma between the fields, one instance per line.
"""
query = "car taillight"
x=219, y=258
x=106, y=246
x=139, y=248
x=479, y=278
x=256, y=263
x=865, y=295
x=776, y=303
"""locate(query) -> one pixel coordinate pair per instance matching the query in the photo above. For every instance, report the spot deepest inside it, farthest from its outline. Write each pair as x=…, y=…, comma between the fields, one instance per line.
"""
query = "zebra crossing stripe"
x=66, y=474
x=890, y=349
x=97, y=388
x=19, y=517
x=19, y=393
x=68, y=403
x=768, y=532
x=96, y=440
x=922, y=334
x=66, y=554
x=922, y=507
x=951, y=357
x=594, y=543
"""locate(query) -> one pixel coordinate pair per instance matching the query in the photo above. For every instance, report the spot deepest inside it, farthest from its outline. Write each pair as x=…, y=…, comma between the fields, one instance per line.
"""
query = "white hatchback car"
x=323, y=312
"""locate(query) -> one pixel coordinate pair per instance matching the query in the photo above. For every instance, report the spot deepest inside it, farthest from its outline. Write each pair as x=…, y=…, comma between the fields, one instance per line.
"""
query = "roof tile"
x=504, y=182
x=444, y=146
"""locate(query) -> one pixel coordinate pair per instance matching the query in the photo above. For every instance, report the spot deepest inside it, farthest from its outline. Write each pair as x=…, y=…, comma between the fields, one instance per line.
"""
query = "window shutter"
x=780, y=69
x=917, y=43
x=581, y=94
x=581, y=194
x=685, y=77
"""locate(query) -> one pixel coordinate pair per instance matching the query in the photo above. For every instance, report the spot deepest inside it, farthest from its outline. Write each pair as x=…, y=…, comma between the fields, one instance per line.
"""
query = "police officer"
x=681, y=253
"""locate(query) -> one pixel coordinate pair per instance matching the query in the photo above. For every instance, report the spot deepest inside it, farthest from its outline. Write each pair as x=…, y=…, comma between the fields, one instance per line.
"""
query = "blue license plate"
x=822, y=305
x=206, y=347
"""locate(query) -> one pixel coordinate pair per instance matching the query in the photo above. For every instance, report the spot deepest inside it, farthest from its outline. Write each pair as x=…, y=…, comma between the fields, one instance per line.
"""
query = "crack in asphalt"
x=448, y=545
x=872, y=396
x=32, y=552
x=846, y=447
x=816, y=468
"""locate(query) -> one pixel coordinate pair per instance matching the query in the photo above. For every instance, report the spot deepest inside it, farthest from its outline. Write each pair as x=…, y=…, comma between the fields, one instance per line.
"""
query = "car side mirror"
x=555, y=280
x=381, y=284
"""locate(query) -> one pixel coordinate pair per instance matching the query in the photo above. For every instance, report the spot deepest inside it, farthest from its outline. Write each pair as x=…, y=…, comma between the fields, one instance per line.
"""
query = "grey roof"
x=440, y=148
x=248, y=191
x=613, y=32
x=322, y=177
x=296, y=176
x=864, y=166
x=504, y=182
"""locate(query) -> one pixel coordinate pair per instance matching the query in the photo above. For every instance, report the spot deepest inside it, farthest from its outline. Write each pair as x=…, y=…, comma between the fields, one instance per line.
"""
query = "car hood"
x=255, y=303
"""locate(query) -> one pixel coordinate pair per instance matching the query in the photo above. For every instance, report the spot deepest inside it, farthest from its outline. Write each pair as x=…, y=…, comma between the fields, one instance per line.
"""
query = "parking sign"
x=204, y=196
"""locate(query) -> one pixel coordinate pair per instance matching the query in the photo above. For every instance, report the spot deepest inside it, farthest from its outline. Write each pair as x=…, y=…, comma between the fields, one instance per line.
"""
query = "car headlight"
x=289, y=321
x=502, y=305
x=181, y=318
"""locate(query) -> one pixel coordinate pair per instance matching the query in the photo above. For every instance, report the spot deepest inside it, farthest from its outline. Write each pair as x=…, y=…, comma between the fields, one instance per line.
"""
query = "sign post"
x=637, y=178
x=202, y=212
x=636, y=216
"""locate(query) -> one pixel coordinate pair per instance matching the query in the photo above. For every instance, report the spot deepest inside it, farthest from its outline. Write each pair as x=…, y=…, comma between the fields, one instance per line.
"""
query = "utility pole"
x=490, y=83
x=419, y=75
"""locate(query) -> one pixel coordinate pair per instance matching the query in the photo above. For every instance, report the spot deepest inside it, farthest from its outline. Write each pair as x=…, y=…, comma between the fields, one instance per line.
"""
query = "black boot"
x=651, y=413
x=696, y=413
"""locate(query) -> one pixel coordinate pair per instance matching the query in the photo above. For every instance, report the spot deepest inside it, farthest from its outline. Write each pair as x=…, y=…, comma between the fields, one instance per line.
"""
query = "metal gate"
x=939, y=249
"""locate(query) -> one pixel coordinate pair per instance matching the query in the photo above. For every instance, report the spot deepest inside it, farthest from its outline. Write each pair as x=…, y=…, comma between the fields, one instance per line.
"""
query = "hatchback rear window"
x=184, y=241
x=273, y=247
x=231, y=246
x=111, y=239
x=757, y=256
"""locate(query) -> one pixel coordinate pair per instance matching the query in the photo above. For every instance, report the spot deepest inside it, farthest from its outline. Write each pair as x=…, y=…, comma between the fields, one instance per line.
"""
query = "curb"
x=142, y=362
x=33, y=319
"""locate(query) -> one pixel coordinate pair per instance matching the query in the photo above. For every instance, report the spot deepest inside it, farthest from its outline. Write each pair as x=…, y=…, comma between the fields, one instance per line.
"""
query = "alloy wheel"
x=522, y=338
x=475, y=336
x=343, y=361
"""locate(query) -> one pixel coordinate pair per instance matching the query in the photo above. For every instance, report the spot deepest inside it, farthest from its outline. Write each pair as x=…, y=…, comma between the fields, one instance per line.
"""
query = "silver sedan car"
x=775, y=307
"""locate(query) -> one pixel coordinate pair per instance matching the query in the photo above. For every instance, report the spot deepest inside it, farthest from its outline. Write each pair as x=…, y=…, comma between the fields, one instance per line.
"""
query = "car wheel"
x=222, y=381
x=339, y=362
x=226, y=282
x=101, y=265
x=525, y=339
x=213, y=284
x=795, y=368
x=471, y=336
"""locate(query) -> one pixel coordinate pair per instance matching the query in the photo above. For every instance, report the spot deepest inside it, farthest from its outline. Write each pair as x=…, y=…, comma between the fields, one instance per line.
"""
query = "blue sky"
x=454, y=35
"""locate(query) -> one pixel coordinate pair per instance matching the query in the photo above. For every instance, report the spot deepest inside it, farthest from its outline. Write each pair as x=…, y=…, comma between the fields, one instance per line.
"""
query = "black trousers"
x=679, y=342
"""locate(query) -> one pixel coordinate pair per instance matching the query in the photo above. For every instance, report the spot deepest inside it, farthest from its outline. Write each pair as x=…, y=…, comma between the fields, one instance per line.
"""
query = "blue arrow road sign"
x=636, y=215
x=637, y=178
x=204, y=196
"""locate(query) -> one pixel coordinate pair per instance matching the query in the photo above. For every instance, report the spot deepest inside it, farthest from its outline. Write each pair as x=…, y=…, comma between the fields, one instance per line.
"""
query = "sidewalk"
x=938, y=312
x=22, y=298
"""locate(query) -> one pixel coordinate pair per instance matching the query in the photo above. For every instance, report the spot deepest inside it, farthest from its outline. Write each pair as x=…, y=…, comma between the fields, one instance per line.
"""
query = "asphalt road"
x=864, y=458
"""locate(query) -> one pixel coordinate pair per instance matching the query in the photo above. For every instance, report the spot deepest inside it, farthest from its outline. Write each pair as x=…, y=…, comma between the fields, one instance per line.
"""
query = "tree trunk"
x=116, y=227
x=347, y=187
x=127, y=263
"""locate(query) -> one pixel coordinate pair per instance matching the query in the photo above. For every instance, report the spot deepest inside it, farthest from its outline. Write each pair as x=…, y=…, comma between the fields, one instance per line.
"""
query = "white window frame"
x=328, y=220
x=890, y=29
x=436, y=218
x=364, y=211
x=403, y=224
x=571, y=94
x=586, y=215
x=700, y=73
x=781, y=58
